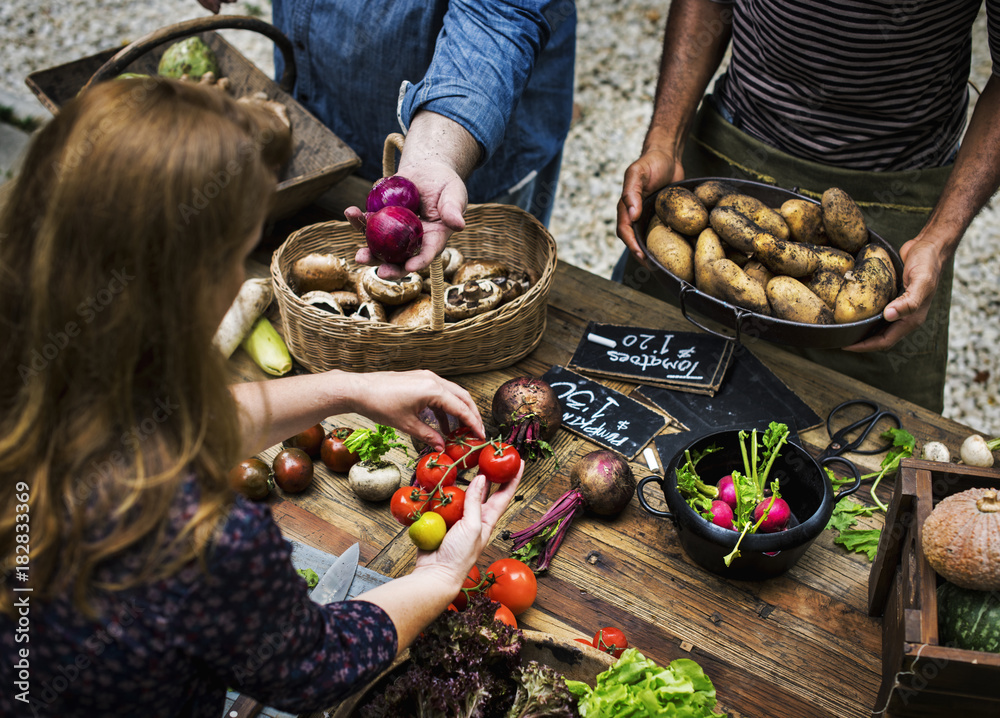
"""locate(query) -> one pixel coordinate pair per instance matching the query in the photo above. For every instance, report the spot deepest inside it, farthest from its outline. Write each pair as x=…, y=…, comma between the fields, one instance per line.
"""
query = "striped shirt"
x=876, y=85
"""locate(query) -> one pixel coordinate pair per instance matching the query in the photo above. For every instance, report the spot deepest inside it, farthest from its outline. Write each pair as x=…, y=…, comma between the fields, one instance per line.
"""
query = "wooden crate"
x=319, y=160
x=921, y=677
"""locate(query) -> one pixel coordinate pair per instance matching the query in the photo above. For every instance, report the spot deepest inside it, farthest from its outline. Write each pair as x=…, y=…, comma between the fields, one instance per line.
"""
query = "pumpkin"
x=968, y=619
x=961, y=539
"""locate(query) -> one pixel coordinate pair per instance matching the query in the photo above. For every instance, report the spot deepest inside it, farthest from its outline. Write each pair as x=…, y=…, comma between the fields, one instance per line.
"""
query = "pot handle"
x=739, y=313
x=642, y=498
x=854, y=470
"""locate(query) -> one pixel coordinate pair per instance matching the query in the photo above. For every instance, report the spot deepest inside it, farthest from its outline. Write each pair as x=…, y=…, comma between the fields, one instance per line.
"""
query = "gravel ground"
x=617, y=58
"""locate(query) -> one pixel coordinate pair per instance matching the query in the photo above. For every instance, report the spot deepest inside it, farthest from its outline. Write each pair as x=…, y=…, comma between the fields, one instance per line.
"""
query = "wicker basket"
x=320, y=340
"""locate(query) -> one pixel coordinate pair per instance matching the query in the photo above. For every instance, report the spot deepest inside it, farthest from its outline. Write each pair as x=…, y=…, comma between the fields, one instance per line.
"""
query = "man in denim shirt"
x=483, y=90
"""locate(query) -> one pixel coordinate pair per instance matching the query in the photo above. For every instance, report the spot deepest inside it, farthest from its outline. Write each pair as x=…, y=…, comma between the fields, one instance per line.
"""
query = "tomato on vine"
x=504, y=615
x=463, y=447
x=472, y=584
x=512, y=583
x=499, y=462
x=408, y=503
x=435, y=468
x=449, y=501
x=610, y=640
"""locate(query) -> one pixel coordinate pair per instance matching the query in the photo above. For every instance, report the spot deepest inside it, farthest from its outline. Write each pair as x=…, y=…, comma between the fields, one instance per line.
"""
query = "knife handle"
x=244, y=707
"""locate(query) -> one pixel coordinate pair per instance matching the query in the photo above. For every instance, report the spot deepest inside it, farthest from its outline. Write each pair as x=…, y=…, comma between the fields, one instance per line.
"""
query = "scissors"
x=841, y=441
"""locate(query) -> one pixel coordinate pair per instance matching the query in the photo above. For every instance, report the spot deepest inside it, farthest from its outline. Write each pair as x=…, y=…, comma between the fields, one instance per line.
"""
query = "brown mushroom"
x=323, y=272
x=479, y=269
x=357, y=279
x=451, y=260
x=392, y=292
x=469, y=299
x=417, y=313
x=347, y=300
x=370, y=311
x=323, y=300
x=510, y=289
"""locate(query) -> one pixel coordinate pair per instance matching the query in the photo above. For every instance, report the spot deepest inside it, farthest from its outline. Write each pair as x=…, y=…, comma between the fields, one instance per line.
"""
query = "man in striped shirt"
x=867, y=95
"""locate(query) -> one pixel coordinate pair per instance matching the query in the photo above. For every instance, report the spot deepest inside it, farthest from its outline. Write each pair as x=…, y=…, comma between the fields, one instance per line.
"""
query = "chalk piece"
x=604, y=341
x=650, y=458
x=685, y=646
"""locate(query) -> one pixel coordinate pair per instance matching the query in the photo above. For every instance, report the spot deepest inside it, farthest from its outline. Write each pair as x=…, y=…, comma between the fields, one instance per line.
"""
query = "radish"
x=777, y=518
x=727, y=491
x=602, y=482
x=722, y=514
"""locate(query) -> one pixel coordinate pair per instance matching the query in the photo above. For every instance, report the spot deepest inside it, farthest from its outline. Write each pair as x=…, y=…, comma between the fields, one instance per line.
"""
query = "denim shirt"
x=503, y=70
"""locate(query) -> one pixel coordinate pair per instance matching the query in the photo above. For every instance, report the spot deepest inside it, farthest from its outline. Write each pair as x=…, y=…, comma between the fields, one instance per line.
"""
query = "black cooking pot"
x=743, y=322
x=803, y=484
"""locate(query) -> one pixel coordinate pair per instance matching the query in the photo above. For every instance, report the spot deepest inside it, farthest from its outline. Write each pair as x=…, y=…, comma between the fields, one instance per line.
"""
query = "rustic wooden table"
x=798, y=646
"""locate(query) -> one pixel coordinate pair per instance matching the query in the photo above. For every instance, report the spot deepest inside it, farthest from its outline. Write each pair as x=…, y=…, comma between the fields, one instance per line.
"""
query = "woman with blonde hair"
x=151, y=587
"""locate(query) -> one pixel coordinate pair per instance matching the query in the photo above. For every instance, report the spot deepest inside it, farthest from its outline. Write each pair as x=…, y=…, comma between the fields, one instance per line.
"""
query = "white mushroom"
x=417, y=313
x=469, y=299
x=316, y=271
x=324, y=301
x=392, y=292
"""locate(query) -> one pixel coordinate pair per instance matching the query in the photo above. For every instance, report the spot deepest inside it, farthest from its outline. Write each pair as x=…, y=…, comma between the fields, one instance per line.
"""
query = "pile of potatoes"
x=802, y=262
x=330, y=283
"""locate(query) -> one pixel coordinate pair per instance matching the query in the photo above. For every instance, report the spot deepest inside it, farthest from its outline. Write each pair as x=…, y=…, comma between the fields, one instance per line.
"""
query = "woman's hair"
x=132, y=205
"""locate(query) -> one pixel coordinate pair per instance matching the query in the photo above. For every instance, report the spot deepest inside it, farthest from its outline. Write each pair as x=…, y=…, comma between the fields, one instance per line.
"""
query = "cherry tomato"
x=428, y=531
x=309, y=440
x=463, y=447
x=334, y=454
x=293, y=470
x=514, y=584
x=610, y=640
x=461, y=601
x=435, y=468
x=499, y=463
x=449, y=501
x=584, y=641
x=505, y=615
x=408, y=503
x=252, y=478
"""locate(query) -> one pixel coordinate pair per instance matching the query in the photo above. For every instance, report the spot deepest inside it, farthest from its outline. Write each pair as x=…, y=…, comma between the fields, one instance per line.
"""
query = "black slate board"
x=685, y=361
x=603, y=415
x=751, y=397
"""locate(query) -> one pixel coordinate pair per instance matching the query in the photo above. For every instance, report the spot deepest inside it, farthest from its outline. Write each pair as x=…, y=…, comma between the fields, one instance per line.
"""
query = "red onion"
x=394, y=234
x=394, y=191
x=602, y=483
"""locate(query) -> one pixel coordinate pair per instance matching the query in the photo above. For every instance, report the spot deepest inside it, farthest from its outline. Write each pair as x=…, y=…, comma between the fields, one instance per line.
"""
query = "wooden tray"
x=320, y=159
x=920, y=677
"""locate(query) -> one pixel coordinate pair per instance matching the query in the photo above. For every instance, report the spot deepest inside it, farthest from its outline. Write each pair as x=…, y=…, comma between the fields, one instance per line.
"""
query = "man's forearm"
x=695, y=41
x=434, y=138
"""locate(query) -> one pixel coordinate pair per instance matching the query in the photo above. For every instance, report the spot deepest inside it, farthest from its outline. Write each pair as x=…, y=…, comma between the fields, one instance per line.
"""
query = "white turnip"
x=528, y=414
x=602, y=483
x=935, y=451
x=976, y=451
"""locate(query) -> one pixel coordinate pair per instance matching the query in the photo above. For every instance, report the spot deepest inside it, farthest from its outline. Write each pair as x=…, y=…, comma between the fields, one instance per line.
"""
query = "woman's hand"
x=397, y=398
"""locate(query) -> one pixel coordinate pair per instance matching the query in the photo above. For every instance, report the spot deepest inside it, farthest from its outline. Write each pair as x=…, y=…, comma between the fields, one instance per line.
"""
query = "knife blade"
x=332, y=587
x=336, y=582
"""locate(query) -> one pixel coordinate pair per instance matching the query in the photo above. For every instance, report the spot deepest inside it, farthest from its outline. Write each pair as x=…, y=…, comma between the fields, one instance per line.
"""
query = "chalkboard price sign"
x=684, y=361
x=603, y=415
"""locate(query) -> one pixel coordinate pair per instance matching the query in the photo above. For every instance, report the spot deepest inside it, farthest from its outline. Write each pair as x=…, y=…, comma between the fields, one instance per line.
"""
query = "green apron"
x=896, y=206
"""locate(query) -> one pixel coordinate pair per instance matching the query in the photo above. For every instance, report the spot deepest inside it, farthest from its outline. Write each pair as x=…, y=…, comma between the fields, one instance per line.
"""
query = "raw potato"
x=734, y=228
x=737, y=288
x=712, y=191
x=757, y=212
x=707, y=249
x=737, y=256
x=805, y=221
x=834, y=260
x=826, y=285
x=758, y=272
x=680, y=210
x=844, y=224
x=672, y=251
x=785, y=257
x=325, y=272
x=792, y=300
x=874, y=250
x=866, y=291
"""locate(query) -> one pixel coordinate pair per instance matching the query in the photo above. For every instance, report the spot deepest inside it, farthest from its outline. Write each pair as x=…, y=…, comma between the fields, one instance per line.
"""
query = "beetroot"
x=727, y=492
x=778, y=515
x=722, y=514
x=602, y=482
x=528, y=414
